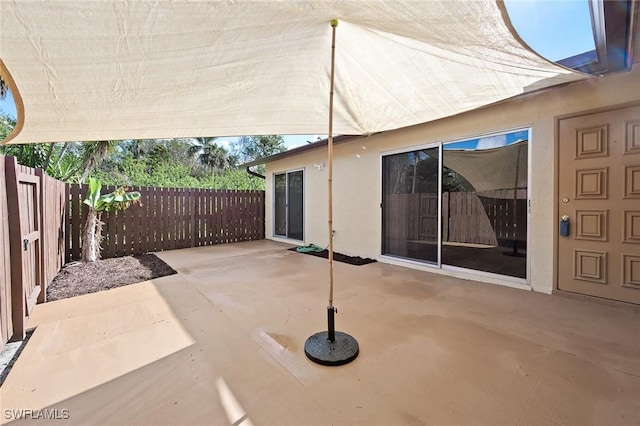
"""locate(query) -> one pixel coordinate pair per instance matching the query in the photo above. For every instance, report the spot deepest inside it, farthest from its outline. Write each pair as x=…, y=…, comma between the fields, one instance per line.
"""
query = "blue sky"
x=556, y=29
x=489, y=142
x=8, y=106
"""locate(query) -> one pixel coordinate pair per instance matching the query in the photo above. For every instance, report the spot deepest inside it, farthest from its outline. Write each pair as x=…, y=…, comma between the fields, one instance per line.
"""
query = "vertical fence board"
x=192, y=215
x=109, y=231
x=204, y=219
x=218, y=218
x=209, y=223
x=136, y=238
x=236, y=216
x=6, y=321
x=165, y=219
x=158, y=224
x=180, y=218
x=120, y=225
x=171, y=225
x=149, y=200
x=74, y=229
x=204, y=216
x=188, y=217
x=145, y=218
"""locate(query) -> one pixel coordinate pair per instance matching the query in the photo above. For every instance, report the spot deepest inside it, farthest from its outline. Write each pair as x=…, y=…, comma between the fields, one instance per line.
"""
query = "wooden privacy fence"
x=169, y=218
x=32, y=242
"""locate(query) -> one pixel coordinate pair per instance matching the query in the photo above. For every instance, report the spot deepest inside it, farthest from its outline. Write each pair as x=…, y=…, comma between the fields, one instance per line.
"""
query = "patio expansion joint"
x=190, y=266
x=534, y=386
x=626, y=373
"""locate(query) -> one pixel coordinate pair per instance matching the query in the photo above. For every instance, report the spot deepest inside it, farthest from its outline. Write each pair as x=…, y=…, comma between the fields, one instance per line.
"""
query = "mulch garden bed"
x=339, y=257
x=77, y=278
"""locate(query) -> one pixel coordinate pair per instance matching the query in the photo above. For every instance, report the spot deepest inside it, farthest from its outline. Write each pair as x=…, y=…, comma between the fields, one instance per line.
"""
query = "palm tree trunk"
x=95, y=152
x=62, y=151
x=48, y=159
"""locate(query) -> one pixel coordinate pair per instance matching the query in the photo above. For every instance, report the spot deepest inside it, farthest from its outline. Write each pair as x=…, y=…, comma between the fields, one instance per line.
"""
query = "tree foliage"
x=4, y=88
x=251, y=148
x=178, y=163
x=210, y=154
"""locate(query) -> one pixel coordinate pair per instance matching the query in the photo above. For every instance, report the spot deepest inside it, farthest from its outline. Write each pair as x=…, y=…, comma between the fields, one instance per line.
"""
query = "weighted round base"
x=321, y=351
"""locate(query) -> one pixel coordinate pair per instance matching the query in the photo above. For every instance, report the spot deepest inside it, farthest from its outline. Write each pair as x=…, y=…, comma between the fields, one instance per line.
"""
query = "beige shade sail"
x=116, y=69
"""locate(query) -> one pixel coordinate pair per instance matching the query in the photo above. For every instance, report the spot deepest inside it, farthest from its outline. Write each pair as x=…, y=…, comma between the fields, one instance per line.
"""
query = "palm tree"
x=3, y=88
x=93, y=153
x=119, y=199
x=209, y=153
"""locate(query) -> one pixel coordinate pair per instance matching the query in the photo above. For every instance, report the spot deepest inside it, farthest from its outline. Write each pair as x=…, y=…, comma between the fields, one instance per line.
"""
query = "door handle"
x=564, y=226
x=25, y=244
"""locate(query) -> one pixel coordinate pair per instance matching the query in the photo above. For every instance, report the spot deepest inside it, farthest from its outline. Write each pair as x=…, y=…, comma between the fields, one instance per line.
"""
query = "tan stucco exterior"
x=357, y=170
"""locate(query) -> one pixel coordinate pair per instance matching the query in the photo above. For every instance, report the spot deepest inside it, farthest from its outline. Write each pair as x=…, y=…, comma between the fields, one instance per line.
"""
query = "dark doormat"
x=339, y=257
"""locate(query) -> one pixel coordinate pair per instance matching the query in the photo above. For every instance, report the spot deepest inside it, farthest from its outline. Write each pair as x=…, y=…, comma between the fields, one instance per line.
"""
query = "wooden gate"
x=23, y=192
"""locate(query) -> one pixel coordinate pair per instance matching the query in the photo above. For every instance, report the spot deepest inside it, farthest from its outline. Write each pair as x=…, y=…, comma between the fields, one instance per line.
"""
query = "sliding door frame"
x=455, y=270
x=287, y=203
x=383, y=154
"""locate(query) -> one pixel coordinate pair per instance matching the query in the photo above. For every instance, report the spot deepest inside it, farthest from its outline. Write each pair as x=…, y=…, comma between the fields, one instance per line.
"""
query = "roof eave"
x=299, y=150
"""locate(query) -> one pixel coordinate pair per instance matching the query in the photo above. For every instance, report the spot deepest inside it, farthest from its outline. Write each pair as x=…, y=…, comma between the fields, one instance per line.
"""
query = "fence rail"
x=169, y=218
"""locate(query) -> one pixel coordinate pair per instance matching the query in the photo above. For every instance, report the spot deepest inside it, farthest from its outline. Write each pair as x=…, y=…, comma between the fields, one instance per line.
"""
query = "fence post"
x=192, y=208
x=6, y=320
x=18, y=306
x=42, y=267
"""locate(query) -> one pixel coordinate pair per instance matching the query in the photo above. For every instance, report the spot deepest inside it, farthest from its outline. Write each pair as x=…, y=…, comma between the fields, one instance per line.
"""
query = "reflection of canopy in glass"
x=490, y=169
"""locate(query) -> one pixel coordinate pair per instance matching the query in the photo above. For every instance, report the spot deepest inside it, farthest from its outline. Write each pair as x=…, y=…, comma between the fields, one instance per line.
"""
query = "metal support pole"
x=331, y=335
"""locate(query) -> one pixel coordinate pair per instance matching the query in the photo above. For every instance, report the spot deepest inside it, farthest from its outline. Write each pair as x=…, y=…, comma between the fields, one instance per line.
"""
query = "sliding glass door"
x=410, y=205
x=484, y=204
x=289, y=205
x=466, y=207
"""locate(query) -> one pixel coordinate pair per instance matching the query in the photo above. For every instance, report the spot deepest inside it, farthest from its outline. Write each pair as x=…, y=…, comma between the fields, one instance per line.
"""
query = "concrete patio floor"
x=222, y=342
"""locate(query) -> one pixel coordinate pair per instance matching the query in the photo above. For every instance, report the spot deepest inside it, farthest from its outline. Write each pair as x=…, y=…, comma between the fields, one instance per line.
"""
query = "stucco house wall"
x=357, y=171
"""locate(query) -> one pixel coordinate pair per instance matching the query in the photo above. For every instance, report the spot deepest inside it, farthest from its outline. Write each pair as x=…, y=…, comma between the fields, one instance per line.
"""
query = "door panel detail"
x=592, y=183
x=632, y=182
x=590, y=266
x=632, y=138
x=592, y=225
x=592, y=142
x=631, y=265
x=631, y=227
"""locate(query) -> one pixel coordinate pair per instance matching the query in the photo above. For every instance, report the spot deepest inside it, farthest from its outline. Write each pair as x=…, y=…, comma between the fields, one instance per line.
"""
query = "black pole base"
x=331, y=347
x=321, y=350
